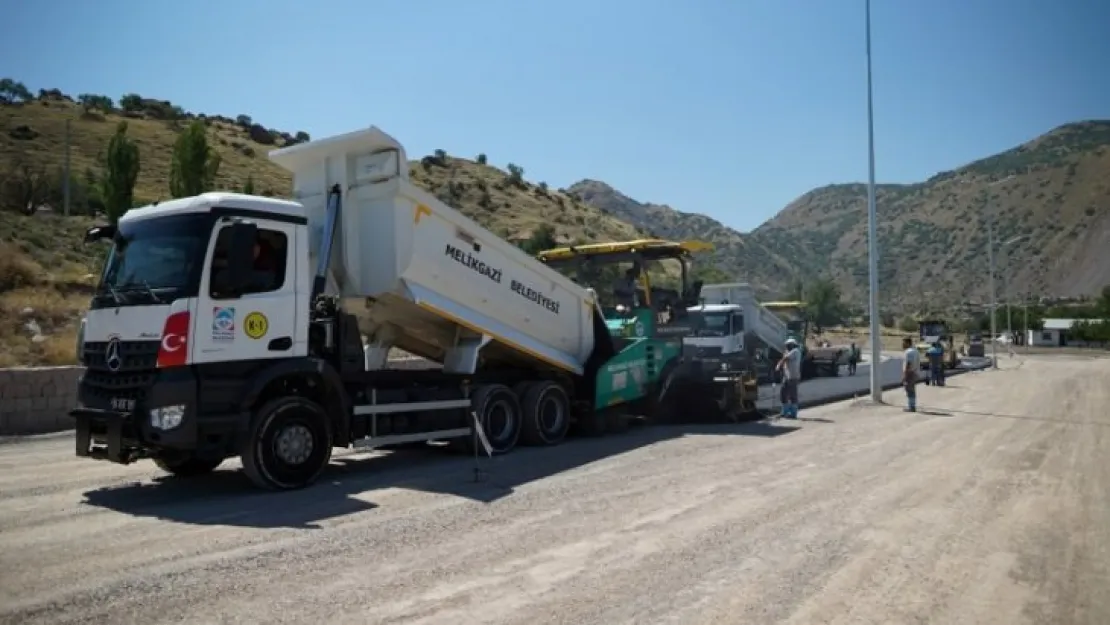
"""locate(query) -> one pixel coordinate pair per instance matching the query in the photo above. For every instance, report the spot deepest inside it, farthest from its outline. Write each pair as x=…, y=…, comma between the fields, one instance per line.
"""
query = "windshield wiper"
x=146, y=285
x=119, y=299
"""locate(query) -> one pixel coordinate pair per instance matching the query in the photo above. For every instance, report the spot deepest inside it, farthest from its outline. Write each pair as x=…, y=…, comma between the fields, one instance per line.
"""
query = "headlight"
x=167, y=417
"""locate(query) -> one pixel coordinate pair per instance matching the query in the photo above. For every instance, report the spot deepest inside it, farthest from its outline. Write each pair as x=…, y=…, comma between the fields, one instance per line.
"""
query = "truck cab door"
x=736, y=333
x=258, y=322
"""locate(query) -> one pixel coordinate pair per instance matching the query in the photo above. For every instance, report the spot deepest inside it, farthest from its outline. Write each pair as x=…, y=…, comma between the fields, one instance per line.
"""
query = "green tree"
x=194, y=164
x=543, y=238
x=248, y=186
x=121, y=170
x=94, y=102
x=516, y=174
x=131, y=102
x=1103, y=302
x=823, y=305
x=12, y=90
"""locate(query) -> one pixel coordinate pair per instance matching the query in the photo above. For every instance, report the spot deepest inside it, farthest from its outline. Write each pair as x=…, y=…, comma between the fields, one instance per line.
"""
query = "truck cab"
x=195, y=295
x=718, y=336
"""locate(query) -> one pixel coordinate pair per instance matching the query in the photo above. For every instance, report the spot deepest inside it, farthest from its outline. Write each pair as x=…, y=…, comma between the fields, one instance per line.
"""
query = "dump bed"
x=423, y=277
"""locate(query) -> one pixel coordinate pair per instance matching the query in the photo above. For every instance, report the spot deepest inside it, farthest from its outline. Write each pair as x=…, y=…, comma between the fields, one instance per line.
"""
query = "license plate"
x=123, y=404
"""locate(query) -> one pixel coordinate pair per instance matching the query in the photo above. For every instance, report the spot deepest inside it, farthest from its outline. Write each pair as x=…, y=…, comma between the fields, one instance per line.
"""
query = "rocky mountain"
x=736, y=255
x=1050, y=198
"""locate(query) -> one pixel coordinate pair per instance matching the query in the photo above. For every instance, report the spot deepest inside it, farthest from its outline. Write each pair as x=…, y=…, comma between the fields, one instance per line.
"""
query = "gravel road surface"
x=991, y=506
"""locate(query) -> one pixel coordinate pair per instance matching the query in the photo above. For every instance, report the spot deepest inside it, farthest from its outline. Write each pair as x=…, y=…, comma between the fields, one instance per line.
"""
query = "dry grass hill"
x=1054, y=190
x=46, y=274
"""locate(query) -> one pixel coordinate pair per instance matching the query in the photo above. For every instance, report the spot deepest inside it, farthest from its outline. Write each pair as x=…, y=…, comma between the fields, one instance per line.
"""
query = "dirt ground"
x=991, y=506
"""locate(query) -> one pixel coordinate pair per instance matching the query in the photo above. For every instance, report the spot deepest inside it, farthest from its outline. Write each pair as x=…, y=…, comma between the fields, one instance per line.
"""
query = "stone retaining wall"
x=36, y=400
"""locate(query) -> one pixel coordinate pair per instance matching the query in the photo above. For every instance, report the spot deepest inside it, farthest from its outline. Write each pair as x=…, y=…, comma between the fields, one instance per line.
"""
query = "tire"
x=279, y=427
x=545, y=413
x=498, y=411
x=186, y=464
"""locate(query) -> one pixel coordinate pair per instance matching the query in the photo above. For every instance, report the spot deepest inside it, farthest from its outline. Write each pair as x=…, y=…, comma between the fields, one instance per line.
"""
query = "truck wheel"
x=289, y=444
x=498, y=411
x=545, y=411
x=186, y=464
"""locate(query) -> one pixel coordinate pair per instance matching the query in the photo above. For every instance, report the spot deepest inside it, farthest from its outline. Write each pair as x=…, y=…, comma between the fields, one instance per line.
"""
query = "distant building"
x=1054, y=333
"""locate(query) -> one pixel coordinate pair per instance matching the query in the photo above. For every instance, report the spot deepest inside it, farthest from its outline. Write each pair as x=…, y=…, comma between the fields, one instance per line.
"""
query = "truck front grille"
x=137, y=365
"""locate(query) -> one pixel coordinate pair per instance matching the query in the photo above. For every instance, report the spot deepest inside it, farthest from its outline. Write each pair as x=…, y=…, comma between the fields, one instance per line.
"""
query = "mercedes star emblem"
x=111, y=355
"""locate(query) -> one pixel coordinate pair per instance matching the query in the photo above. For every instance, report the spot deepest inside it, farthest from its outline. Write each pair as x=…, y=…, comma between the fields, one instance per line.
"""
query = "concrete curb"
x=856, y=394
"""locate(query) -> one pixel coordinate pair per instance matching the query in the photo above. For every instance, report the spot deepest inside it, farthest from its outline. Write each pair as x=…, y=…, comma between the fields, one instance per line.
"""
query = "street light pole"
x=994, y=301
x=1025, y=336
x=872, y=233
x=1006, y=292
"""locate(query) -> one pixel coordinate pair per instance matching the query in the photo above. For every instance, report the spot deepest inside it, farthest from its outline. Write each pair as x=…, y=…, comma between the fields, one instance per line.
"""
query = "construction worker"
x=936, y=364
x=911, y=362
x=791, y=368
x=853, y=358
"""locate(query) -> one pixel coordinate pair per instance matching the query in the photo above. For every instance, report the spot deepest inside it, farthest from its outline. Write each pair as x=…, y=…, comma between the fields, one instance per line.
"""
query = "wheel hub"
x=294, y=444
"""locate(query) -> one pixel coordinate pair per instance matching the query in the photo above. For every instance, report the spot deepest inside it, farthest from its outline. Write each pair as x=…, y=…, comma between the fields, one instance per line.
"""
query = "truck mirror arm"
x=99, y=233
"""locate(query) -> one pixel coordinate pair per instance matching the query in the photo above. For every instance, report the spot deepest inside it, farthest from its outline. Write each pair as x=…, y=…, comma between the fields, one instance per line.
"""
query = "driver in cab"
x=263, y=275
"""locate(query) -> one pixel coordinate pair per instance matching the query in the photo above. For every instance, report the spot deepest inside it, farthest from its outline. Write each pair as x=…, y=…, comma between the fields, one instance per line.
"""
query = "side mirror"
x=240, y=257
x=99, y=233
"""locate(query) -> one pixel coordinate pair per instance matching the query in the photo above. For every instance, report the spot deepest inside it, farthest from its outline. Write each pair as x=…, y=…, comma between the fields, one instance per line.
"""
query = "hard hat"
x=791, y=342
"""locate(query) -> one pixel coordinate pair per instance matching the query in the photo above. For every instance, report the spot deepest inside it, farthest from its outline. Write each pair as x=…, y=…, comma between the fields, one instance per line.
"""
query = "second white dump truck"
x=233, y=325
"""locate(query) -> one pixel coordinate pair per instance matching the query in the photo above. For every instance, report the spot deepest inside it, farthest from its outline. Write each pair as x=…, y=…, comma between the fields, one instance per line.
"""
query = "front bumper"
x=125, y=436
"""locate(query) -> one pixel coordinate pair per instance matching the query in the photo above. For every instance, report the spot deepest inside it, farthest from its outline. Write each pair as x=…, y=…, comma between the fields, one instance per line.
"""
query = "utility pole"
x=1009, y=318
x=994, y=302
x=1025, y=337
x=65, y=172
x=872, y=233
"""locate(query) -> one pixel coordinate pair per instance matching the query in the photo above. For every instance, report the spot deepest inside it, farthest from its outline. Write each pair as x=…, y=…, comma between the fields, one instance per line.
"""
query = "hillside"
x=45, y=273
x=1055, y=190
x=736, y=255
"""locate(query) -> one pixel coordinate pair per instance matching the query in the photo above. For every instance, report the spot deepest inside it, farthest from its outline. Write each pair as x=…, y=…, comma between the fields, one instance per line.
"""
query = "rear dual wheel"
x=545, y=412
x=498, y=411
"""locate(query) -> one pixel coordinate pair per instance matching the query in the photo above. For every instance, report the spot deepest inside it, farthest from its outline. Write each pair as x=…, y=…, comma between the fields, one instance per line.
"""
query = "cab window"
x=270, y=256
x=737, y=323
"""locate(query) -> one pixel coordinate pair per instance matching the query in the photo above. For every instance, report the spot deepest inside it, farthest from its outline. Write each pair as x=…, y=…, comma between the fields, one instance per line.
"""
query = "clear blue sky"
x=727, y=107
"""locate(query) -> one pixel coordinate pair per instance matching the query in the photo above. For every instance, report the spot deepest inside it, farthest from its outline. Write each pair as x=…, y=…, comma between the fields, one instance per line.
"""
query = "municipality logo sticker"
x=223, y=323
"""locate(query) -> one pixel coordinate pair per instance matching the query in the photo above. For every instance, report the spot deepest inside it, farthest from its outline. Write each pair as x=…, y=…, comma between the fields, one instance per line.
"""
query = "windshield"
x=713, y=324
x=932, y=329
x=155, y=260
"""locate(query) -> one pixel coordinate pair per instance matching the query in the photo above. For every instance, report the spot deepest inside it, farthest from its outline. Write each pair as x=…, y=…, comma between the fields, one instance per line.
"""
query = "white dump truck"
x=232, y=325
x=767, y=326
